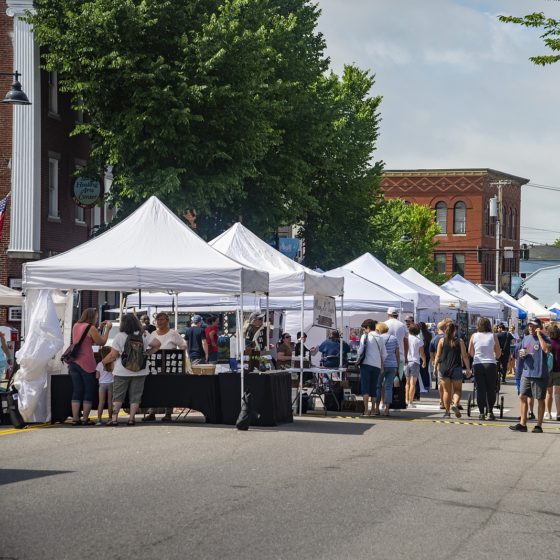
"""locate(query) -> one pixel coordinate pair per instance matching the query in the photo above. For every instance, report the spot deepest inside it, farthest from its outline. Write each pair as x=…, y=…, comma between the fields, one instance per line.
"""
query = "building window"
x=441, y=216
x=53, y=93
x=514, y=224
x=79, y=215
x=459, y=264
x=53, y=188
x=439, y=263
x=460, y=218
x=489, y=265
x=510, y=223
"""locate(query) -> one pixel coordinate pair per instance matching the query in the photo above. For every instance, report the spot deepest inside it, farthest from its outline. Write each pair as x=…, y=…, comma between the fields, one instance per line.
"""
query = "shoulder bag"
x=360, y=359
x=70, y=354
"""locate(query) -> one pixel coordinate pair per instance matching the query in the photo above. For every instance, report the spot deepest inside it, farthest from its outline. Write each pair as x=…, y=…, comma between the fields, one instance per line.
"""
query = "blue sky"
x=458, y=89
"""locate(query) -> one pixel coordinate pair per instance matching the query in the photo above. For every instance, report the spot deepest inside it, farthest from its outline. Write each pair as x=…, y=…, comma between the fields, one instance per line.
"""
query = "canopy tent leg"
x=176, y=302
x=242, y=351
x=301, y=327
x=267, y=325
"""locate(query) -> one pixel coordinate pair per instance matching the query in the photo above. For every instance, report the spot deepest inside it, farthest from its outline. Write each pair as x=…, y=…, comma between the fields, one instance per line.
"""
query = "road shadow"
x=9, y=476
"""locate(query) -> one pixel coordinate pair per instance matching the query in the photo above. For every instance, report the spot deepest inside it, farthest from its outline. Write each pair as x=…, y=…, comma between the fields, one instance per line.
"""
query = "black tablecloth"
x=272, y=397
x=199, y=392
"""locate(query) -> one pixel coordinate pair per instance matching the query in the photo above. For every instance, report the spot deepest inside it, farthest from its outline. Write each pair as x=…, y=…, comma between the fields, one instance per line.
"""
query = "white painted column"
x=25, y=203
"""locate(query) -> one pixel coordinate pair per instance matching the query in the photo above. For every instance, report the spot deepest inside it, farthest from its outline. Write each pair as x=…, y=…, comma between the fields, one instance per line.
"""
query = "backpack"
x=134, y=357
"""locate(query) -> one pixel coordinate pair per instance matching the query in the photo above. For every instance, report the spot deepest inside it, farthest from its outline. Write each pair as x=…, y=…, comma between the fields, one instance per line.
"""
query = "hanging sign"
x=324, y=312
x=86, y=191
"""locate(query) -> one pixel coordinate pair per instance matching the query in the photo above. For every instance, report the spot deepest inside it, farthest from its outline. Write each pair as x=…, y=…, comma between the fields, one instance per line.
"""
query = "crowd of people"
x=390, y=352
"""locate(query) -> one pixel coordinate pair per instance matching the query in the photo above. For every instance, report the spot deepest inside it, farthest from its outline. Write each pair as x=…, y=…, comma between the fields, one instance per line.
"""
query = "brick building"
x=37, y=158
x=461, y=201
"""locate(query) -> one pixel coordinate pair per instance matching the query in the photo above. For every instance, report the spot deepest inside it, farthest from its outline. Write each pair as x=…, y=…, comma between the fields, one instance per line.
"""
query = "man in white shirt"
x=398, y=330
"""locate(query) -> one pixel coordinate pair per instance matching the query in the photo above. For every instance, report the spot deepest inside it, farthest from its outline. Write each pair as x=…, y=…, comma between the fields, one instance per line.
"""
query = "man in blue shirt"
x=330, y=349
x=534, y=377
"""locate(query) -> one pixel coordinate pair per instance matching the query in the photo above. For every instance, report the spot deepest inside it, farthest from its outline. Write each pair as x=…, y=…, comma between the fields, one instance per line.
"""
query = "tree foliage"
x=221, y=106
x=403, y=236
x=550, y=36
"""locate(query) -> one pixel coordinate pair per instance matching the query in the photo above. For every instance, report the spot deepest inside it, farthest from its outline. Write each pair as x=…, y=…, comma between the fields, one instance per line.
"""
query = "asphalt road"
x=324, y=488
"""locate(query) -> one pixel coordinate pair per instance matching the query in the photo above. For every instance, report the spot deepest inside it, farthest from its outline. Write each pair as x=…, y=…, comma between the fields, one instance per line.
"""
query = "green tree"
x=403, y=236
x=550, y=36
x=207, y=104
x=557, y=243
x=346, y=184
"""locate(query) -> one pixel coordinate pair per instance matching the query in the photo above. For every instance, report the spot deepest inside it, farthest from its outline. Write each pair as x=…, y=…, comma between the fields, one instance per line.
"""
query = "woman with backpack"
x=129, y=351
x=82, y=369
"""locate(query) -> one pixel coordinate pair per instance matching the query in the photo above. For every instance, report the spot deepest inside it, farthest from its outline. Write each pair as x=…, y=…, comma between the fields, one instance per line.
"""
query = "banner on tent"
x=324, y=312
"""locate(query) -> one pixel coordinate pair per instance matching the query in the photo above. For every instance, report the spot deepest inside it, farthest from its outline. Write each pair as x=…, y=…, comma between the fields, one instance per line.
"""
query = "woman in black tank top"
x=450, y=356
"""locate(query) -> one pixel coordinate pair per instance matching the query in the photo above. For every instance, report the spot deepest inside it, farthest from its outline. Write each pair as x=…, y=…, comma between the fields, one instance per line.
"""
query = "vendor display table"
x=199, y=392
x=218, y=397
x=272, y=397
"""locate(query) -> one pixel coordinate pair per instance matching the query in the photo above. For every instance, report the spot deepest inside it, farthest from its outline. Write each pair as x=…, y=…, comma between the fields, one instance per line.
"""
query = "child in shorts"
x=104, y=373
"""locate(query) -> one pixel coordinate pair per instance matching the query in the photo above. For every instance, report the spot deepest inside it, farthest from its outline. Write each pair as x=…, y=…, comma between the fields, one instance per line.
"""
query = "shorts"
x=456, y=374
x=369, y=376
x=133, y=385
x=105, y=388
x=554, y=379
x=412, y=369
x=534, y=387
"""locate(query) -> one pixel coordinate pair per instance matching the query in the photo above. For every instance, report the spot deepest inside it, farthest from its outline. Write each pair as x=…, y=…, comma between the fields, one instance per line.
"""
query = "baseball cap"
x=409, y=318
x=196, y=319
x=535, y=322
x=256, y=315
x=392, y=311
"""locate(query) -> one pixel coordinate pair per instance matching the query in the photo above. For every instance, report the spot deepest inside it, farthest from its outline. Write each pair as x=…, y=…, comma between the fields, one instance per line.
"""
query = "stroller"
x=472, y=402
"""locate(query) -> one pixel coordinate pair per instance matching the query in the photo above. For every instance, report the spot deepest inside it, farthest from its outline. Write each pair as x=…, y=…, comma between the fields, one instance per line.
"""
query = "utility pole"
x=498, y=184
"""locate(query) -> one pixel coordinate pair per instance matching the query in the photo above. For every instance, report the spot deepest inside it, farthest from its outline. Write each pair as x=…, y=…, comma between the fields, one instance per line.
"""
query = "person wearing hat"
x=196, y=340
x=534, y=378
x=254, y=332
x=400, y=332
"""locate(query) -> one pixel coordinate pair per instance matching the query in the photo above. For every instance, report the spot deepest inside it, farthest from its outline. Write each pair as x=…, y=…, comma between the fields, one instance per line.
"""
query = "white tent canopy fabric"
x=448, y=302
x=535, y=309
x=512, y=303
x=9, y=296
x=374, y=270
x=152, y=249
x=287, y=277
x=359, y=295
x=479, y=301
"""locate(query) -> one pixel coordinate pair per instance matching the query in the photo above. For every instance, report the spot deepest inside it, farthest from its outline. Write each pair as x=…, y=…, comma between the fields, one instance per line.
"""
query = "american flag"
x=3, y=207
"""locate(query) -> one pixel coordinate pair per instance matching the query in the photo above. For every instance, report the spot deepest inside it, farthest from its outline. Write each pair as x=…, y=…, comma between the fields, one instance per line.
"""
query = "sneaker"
x=460, y=407
x=99, y=423
x=149, y=418
x=531, y=416
x=518, y=428
x=411, y=405
x=167, y=419
x=441, y=406
x=481, y=417
x=547, y=416
x=447, y=415
x=537, y=430
x=491, y=416
x=456, y=410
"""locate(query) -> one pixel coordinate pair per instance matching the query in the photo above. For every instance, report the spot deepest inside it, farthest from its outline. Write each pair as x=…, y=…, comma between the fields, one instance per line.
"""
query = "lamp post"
x=15, y=96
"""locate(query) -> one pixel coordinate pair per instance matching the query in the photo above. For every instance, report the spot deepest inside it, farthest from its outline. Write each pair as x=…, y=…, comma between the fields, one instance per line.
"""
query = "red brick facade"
x=470, y=232
x=57, y=235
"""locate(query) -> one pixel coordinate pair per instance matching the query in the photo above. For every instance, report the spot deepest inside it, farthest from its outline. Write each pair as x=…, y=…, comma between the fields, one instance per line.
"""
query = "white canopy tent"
x=518, y=311
x=374, y=270
x=287, y=277
x=479, y=301
x=447, y=302
x=9, y=296
x=535, y=309
x=152, y=249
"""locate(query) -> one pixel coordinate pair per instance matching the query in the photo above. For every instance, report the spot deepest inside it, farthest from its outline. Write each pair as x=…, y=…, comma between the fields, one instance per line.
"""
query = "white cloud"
x=458, y=88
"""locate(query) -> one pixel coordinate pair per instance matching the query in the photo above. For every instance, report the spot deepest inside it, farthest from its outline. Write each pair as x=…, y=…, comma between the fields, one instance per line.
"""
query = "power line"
x=540, y=229
x=544, y=187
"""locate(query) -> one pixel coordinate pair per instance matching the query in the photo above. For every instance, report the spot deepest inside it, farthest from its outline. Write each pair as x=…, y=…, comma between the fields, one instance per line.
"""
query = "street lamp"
x=15, y=96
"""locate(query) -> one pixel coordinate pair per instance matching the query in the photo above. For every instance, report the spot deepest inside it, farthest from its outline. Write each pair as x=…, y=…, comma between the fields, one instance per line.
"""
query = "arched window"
x=441, y=216
x=460, y=218
x=514, y=224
